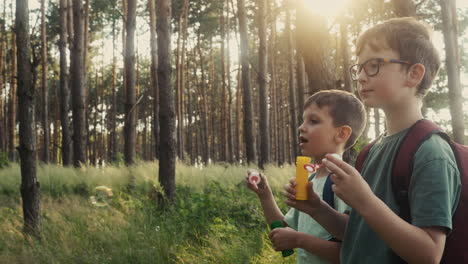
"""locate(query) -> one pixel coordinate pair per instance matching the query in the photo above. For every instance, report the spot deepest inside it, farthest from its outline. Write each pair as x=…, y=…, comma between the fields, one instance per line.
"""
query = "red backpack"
x=456, y=246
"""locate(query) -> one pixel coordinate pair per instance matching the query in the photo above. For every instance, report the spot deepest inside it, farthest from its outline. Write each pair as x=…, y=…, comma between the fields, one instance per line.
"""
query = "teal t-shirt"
x=434, y=192
x=302, y=222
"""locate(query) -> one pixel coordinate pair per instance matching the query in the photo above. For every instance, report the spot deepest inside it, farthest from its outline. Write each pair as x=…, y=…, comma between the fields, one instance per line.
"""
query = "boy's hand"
x=283, y=238
x=348, y=183
x=309, y=206
x=262, y=189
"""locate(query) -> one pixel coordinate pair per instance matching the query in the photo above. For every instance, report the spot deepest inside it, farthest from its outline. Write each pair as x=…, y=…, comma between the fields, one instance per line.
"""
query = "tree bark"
x=312, y=38
x=205, y=117
x=452, y=62
x=113, y=102
x=12, y=99
x=64, y=88
x=30, y=190
x=230, y=97
x=45, y=91
x=249, y=137
x=78, y=89
x=167, y=146
x=154, y=76
x=292, y=88
x=345, y=55
x=263, y=80
x=130, y=111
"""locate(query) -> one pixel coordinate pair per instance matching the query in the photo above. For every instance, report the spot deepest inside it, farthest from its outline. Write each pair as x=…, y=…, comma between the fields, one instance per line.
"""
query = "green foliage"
x=214, y=219
x=3, y=160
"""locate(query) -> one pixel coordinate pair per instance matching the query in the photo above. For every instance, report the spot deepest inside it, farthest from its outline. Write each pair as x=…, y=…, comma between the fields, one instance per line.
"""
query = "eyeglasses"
x=371, y=67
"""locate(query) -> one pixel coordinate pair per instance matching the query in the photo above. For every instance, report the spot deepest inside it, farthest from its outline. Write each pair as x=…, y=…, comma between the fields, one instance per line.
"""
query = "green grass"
x=215, y=219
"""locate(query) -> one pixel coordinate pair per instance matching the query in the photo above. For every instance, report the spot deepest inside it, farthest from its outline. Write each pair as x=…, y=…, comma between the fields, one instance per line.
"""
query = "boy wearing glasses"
x=397, y=63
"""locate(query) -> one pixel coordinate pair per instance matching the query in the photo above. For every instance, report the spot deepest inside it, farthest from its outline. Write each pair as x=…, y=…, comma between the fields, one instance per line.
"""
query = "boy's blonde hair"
x=344, y=108
x=411, y=39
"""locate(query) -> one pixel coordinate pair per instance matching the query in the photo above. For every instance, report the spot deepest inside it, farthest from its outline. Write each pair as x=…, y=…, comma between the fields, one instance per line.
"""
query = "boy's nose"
x=362, y=77
x=301, y=127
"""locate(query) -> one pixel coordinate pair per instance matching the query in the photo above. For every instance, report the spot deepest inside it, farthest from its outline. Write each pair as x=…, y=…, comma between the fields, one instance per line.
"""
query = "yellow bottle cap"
x=303, y=159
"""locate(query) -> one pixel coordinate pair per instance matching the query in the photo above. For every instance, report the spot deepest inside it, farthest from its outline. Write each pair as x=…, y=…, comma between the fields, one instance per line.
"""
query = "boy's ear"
x=415, y=75
x=343, y=134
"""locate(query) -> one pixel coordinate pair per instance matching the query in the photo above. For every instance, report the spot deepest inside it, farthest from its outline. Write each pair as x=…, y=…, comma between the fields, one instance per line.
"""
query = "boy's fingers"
x=340, y=163
x=310, y=190
x=333, y=167
x=289, y=195
x=290, y=190
x=292, y=181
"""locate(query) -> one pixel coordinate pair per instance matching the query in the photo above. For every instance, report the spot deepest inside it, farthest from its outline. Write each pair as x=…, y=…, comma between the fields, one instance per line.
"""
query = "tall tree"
x=167, y=147
x=30, y=192
x=247, y=93
x=64, y=88
x=263, y=84
x=45, y=92
x=78, y=89
x=292, y=89
x=345, y=54
x=452, y=62
x=204, y=103
x=154, y=76
x=313, y=43
x=227, y=35
x=12, y=99
x=130, y=99
x=113, y=100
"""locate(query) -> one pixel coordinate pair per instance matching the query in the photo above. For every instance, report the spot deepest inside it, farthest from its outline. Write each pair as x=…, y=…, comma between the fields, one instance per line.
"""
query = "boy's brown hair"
x=409, y=38
x=344, y=108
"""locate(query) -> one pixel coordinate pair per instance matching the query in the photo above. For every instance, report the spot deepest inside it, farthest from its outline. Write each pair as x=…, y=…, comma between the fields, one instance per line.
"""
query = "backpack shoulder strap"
x=328, y=195
x=403, y=162
x=363, y=155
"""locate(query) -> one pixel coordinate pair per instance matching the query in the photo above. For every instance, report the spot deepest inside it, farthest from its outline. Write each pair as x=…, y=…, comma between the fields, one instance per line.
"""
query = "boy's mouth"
x=302, y=140
x=363, y=91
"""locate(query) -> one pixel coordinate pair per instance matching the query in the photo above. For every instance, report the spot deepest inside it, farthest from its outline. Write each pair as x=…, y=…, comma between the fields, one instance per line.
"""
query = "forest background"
x=127, y=126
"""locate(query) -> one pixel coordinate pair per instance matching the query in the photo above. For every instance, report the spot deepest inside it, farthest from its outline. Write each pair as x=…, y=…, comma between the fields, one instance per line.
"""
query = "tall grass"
x=215, y=219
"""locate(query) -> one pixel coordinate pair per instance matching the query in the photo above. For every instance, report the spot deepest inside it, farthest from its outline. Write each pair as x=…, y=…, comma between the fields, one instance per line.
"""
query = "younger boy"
x=397, y=64
x=333, y=120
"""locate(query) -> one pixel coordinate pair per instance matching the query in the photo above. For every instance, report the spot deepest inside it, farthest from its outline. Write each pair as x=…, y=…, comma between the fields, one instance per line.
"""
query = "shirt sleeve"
x=435, y=185
x=341, y=206
x=292, y=218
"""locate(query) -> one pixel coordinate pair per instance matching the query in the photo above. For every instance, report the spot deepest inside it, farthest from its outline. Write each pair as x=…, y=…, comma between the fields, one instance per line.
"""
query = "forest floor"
x=215, y=218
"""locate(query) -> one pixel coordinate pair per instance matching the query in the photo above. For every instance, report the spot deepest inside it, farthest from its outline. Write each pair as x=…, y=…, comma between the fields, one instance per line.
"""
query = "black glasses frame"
x=355, y=69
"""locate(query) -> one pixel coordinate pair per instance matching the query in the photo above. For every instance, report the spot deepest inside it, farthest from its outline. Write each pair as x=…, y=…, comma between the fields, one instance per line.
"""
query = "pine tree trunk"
x=230, y=139
x=167, y=147
x=12, y=100
x=45, y=92
x=30, y=190
x=263, y=80
x=224, y=104
x=452, y=62
x=345, y=55
x=78, y=89
x=154, y=76
x=130, y=99
x=205, y=118
x=64, y=88
x=292, y=88
x=249, y=137
x=312, y=38
x=56, y=121
x=113, y=102
x=3, y=117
